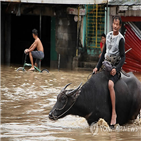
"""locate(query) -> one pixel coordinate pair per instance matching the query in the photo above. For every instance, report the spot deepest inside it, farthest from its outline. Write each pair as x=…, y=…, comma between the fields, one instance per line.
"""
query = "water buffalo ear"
x=73, y=91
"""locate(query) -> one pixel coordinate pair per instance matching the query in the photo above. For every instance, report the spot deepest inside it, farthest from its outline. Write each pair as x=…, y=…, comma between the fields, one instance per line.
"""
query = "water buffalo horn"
x=65, y=87
x=73, y=91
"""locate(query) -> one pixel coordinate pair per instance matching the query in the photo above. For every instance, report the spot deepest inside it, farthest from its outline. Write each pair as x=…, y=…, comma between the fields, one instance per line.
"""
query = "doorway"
x=21, y=36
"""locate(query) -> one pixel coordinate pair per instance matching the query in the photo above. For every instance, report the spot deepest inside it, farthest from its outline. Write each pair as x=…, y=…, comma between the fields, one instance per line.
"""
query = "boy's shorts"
x=115, y=78
x=39, y=55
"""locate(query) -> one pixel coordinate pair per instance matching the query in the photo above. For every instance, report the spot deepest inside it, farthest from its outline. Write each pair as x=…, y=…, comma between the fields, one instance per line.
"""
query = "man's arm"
x=33, y=46
x=122, y=55
x=101, y=58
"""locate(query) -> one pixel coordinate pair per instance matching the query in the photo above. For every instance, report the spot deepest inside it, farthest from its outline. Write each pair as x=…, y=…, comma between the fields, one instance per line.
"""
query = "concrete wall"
x=66, y=35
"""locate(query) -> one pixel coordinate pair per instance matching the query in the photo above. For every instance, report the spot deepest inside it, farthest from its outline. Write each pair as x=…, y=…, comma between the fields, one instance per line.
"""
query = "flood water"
x=27, y=98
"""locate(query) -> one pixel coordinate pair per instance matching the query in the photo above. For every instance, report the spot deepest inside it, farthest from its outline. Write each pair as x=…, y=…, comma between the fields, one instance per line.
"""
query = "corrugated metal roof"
x=60, y=1
x=135, y=13
x=124, y=8
x=124, y=2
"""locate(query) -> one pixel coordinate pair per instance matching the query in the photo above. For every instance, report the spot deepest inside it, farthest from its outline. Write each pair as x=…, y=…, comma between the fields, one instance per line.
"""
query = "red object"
x=130, y=19
x=101, y=44
x=133, y=57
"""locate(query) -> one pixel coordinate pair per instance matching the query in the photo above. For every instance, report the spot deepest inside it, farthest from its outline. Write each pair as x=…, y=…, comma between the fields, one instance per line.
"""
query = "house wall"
x=63, y=32
x=66, y=35
x=62, y=38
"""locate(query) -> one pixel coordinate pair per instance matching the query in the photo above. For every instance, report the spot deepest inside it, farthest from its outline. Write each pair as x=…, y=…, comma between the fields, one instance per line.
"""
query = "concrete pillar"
x=107, y=20
x=8, y=39
x=66, y=37
x=2, y=37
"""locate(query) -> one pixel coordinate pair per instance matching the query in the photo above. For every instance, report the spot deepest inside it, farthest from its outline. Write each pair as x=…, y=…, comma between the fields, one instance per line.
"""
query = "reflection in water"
x=27, y=98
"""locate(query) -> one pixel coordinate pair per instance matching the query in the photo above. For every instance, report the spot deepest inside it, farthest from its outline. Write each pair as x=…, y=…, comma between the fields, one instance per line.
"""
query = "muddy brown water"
x=27, y=98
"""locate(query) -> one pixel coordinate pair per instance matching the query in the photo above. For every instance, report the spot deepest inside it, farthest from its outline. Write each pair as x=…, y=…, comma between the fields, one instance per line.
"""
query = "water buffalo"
x=92, y=101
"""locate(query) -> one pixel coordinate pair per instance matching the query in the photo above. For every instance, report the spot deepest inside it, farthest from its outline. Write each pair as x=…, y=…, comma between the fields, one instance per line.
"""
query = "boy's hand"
x=113, y=72
x=95, y=70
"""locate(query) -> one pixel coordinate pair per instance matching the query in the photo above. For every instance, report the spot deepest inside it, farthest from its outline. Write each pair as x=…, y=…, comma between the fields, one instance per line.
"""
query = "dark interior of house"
x=21, y=36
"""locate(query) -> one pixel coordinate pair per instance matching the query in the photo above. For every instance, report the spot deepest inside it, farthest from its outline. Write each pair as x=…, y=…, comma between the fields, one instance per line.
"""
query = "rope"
x=90, y=74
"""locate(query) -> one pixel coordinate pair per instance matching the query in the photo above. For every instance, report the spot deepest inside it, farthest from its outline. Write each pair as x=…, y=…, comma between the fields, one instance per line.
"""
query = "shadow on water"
x=27, y=98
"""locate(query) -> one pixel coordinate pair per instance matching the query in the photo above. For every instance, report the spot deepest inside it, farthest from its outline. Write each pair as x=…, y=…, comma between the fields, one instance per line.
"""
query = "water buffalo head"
x=65, y=101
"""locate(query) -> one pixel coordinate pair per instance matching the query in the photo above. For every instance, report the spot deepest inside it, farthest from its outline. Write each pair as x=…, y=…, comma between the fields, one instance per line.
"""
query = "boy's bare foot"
x=113, y=119
x=31, y=69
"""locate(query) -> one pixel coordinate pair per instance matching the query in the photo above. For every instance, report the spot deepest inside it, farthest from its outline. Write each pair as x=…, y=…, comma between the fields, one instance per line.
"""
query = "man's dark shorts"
x=115, y=78
x=39, y=55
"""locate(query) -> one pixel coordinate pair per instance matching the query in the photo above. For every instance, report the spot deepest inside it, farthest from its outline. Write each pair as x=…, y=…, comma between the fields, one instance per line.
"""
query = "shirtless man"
x=39, y=54
x=114, y=47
